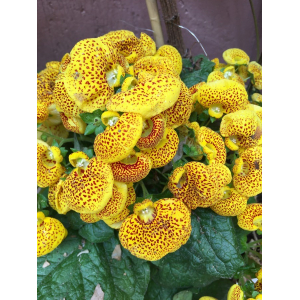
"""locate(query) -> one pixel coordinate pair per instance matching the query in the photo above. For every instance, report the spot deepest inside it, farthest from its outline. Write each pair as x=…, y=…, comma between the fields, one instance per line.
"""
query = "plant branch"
x=256, y=32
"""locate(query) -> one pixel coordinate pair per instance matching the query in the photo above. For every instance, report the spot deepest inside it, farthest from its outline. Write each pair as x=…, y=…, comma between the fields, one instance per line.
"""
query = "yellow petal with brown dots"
x=153, y=132
x=246, y=218
x=256, y=97
x=256, y=70
x=245, y=126
x=50, y=233
x=258, y=286
x=148, y=44
x=172, y=54
x=42, y=112
x=229, y=95
x=247, y=178
x=74, y=124
x=165, y=150
x=143, y=240
x=49, y=170
x=133, y=168
x=147, y=98
x=232, y=203
x=235, y=56
x=153, y=65
x=64, y=103
x=89, y=190
x=57, y=198
x=180, y=112
x=235, y=293
x=259, y=274
x=256, y=108
x=194, y=89
x=118, y=140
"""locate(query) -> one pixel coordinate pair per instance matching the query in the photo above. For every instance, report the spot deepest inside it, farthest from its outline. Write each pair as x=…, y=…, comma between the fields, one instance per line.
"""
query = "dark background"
x=218, y=24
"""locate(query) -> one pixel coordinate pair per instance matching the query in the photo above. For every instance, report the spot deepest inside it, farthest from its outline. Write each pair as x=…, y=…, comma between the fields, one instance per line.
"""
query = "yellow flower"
x=133, y=168
x=50, y=233
x=235, y=56
x=49, y=169
x=207, y=298
x=222, y=96
x=148, y=44
x=199, y=185
x=89, y=186
x=256, y=70
x=227, y=73
x=232, y=203
x=256, y=108
x=57, y=198
x=251, y=218
x=119, y=137
x=180, y=112
x=172, y=54
x=156, y=229
x=247, y=178
x=257, y=97
x=151, y=96
x=235, y=293
x=241, y=129
x=58, y=130
x=165, y=150
x=153, y=132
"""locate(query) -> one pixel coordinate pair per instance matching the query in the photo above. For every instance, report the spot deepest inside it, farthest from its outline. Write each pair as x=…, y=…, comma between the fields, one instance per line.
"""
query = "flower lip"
x=235, y=56
x=110, y=118
x=79, y=160
x=145, y=211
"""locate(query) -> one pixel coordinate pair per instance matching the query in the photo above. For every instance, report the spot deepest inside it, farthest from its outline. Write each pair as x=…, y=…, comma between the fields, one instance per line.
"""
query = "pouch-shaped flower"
x=231, y=204
x=89, y=186
x=235, y=56
x=222, y=96
x=172, y=54
x=149, y=97
x=120, y=136
x=241, y=129
x=235, y=293
x=247, y=178
x=50, y=233
x=156, y=229
x=256, y=70
x=72, y=123
x=153, y=132
x=165, y=150
x=251, y=218
x=49, y=169
x=133, y=168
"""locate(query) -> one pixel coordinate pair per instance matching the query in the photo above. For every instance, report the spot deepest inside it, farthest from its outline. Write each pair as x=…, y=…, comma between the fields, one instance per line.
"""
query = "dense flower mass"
x=126, y=140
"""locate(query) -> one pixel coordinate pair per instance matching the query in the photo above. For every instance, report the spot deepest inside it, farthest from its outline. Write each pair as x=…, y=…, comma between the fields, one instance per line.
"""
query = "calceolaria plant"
x=149, y=173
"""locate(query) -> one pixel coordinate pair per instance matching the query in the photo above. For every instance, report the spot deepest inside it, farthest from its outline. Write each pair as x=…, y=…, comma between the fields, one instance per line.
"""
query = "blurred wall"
x=218, y=24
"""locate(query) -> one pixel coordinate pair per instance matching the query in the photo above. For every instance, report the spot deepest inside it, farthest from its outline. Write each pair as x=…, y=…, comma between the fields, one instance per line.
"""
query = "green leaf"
x=251, y=200
x=165, y=194
x=186, y=149
x=42, y=201
x=99, y=129
x=44, y=137
x=88, y=152
x=118, y=90
x=63, y=151
x=191, y=132
x=248, y=287
x=212, y=252
x=55, y=143
x=178, y=163
x=218, y=289
x=74, y=220
x=97, y=232
x=90, y=129
x=76, y=269
x=254, y=294
x=45, y=212
x=212, y=119
x=193, y=117
x=38, y=125
x=241, y=236
x=259, y=232
x=76, y=143
x=87, y=117
x=183, y=295
x=203, y=117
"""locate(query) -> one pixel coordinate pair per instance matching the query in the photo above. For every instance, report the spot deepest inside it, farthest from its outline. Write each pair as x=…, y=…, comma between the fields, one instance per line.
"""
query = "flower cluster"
x=130, y=96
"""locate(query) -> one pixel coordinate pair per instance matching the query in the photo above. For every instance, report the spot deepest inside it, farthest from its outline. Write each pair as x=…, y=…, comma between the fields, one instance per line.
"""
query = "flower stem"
x=256, y=32
x=145, y=191
x=163, y=175
x=51, y=135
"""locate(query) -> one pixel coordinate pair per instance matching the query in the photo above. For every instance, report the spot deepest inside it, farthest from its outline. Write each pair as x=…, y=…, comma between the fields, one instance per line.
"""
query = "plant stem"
x=145, y=191
x=65, y=141
x=256, y=32
x=207, y=122
x=51, y=135
x=163, y=175
x=257, y=242
x=255, y=254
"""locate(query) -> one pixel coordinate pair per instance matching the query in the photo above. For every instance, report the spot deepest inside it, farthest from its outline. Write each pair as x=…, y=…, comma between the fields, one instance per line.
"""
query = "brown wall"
x=218, y=24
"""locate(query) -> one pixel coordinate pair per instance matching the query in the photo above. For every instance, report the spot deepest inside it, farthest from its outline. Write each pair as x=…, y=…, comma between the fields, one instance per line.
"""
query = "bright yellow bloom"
x=235, y=56
x=232, y=203
x=235, y=293
x=251, y=218
x=256, y=97
x=247, y=178
x=50, y=233
x=119, y=137
x=49, y=169
x=242, y=129
x=89, y=186
x=140, y=235
x=165, y=150
x=148, y=44
x=256, y=70
x=172, y=54
x=222, y=96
